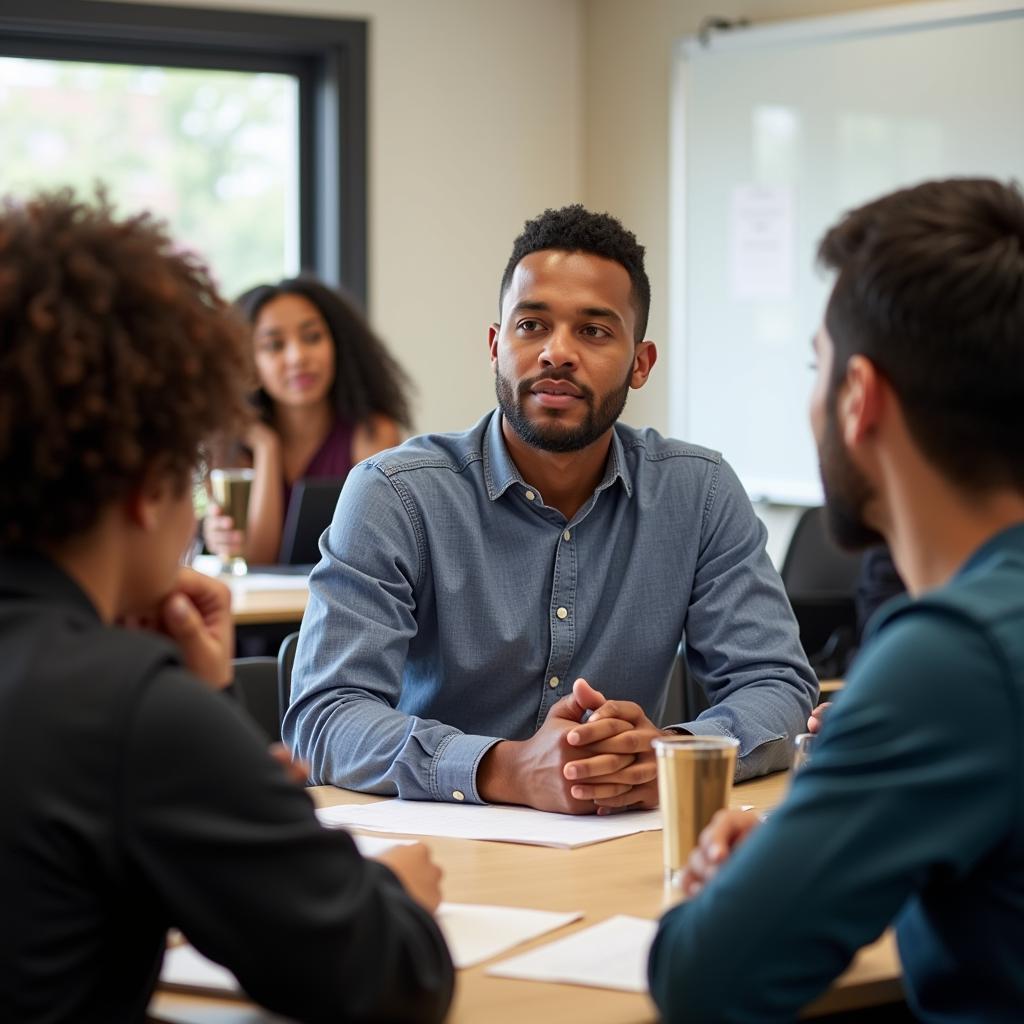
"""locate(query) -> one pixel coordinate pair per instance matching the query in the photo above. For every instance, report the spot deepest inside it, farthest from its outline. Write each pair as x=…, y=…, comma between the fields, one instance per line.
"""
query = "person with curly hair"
x=329, y=396
x=134, y=796
x=481, y=581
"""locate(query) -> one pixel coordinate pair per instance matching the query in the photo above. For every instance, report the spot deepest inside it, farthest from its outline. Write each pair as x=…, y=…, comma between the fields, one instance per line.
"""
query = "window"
x=246, y=132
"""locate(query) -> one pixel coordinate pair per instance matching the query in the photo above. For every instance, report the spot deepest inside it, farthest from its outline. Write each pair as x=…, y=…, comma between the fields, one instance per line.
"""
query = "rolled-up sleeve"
x=231, y=846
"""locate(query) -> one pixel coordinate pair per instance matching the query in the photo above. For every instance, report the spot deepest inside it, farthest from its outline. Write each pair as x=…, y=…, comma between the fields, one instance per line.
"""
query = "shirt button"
x=530, y=495
x=458, y=795
x=562, y=613
x=553, y=682
x=567, y=535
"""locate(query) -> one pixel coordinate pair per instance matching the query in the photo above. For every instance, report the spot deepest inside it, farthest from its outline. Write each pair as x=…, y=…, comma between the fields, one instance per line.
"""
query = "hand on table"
x=220, y=535
x=726, y=830
x=817, y=718
x=616, y=767
x=419, y=875
x=295, y=768
x=532, y=772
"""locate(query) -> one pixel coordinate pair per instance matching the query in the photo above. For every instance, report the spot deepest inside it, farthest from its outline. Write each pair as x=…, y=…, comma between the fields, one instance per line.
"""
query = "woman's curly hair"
x=117, y=356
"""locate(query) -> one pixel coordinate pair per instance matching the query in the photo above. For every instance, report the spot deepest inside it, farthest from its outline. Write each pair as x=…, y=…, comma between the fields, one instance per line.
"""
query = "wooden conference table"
x=282, y=600
x=622, y=876
x=266, y=607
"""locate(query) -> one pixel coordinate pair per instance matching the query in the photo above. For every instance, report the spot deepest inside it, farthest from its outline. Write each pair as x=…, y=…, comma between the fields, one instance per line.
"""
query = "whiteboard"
x=778, y=130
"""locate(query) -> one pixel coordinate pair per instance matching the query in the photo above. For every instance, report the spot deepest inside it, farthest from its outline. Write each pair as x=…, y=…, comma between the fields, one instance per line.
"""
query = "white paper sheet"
x=612, y=954
x=263, y=581
x=475, y=932
x=210, y=565
x=374, y=846
x=499, y=824
x=186, y=967
x=762, y=242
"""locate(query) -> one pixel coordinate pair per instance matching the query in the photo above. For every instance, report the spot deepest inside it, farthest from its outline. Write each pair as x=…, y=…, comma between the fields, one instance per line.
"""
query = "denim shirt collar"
x=500, y=472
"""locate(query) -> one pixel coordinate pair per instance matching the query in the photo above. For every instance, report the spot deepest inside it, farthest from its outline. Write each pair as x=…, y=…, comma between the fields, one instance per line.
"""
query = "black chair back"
x=285, y=660
x=255, y=690
x=821, y=582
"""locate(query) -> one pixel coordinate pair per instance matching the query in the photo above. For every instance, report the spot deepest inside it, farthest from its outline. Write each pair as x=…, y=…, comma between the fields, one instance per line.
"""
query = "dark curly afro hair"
x=575, y=229
x=117, y=356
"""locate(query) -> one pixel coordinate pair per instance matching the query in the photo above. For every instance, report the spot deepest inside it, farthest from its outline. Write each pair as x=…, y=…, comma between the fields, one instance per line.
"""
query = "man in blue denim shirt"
x=471, y=583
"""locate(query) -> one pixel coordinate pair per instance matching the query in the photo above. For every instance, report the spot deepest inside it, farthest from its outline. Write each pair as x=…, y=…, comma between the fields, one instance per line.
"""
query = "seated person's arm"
x=231, y=846
x=742, y=641
x=348, y=674
x=892, y=802
x=373, y=436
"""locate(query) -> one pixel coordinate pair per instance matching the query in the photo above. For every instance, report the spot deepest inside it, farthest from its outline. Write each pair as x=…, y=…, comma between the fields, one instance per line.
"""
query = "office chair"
x=821, y=581
x=285, y=660
x=686, y=698
x=256, y=691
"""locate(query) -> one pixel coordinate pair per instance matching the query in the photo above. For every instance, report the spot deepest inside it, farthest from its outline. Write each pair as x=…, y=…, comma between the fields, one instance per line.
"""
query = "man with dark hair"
x=909, y=810
x=472, y=583
x=133, y=796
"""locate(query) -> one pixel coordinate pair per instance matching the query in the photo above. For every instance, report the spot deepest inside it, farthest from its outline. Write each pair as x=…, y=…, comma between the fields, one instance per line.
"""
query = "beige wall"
x=628, y=46
x=476, y=123
x=628, y=53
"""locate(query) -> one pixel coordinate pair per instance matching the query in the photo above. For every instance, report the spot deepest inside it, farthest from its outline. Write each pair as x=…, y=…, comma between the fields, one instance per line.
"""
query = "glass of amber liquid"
x=231, y=489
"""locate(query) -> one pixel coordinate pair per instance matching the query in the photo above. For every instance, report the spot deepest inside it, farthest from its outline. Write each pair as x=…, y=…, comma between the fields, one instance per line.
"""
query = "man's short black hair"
x=575, y=229
x=930, y=288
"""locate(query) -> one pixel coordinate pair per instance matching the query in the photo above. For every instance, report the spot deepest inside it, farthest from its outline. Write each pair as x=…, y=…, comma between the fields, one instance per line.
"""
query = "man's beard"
x=847, y=491
x=552, y=436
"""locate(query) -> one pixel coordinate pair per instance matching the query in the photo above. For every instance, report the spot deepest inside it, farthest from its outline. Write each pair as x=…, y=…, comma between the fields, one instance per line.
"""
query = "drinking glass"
x=802, y=747
x=694, y=780
x=231, y=489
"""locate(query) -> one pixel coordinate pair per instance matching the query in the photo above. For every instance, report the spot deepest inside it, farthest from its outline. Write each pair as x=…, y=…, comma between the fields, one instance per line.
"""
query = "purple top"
x=332, y=458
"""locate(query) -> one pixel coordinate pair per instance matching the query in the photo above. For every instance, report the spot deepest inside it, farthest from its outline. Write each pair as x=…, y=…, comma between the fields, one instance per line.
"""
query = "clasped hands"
x=574, y=767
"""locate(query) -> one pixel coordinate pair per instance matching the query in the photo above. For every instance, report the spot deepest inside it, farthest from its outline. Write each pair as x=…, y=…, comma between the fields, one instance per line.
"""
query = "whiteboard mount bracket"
x=715, y=23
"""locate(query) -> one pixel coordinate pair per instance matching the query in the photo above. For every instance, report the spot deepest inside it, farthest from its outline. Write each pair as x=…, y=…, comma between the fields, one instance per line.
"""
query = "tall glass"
x=231, y=489
x=694, y=781
x=803, y=745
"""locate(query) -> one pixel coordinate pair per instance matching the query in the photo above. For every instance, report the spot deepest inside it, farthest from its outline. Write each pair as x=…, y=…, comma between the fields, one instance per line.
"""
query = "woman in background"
x=329, y=396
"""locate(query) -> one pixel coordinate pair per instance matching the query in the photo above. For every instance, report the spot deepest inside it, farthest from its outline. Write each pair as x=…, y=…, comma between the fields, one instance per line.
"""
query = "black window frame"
x=327, y=56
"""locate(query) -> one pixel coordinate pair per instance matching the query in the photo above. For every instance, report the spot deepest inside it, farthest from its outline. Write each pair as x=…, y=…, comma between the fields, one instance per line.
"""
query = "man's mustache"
x=528, y=385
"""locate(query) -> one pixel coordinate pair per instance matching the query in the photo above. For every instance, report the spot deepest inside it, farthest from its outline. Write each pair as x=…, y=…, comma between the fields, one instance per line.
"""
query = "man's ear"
x=861, y=400
x=492, y=342
x=645, y=355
